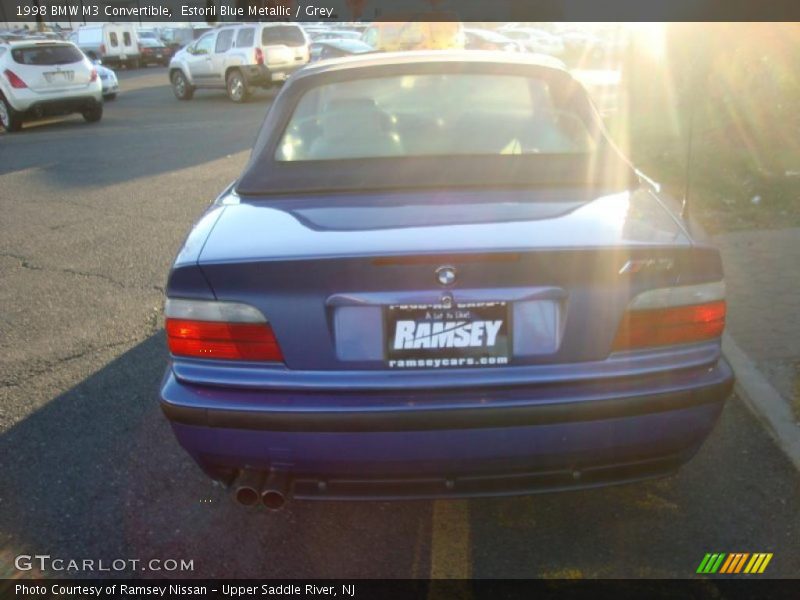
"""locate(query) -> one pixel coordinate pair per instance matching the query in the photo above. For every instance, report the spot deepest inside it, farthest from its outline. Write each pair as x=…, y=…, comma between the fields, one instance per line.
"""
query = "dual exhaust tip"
x=268, y=488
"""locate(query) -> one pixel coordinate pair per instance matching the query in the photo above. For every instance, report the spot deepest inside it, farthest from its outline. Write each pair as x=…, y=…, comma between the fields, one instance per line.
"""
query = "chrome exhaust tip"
x=247, y=488
x=273, y=492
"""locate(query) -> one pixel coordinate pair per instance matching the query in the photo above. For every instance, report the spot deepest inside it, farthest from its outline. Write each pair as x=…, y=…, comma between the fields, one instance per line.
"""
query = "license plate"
x=59, y=76
x=159, y=55
x=123, y=56
x=278, y=76
x=433, y=336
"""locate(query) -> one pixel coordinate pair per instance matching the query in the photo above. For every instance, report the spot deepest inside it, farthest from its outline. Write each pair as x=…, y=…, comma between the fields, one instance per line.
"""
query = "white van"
x=116, y=44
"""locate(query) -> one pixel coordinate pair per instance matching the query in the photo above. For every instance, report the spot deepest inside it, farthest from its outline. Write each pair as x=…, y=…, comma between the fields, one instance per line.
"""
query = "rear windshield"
x=432, y=115
x=287, y=35
x=56, y=54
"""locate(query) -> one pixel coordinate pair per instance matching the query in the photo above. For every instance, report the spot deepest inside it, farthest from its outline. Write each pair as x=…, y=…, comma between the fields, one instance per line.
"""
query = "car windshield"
x=51, y=54
x=432, y=115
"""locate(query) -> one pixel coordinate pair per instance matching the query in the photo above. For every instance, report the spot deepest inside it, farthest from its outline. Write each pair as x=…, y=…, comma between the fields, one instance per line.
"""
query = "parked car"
x=437, y=277
x=338, y=48
x=335, y=34
x=178, y=37
x=536, y=40
x=114, y=43
x=109, y=81
x=583, y=46
x=485, y=39
x=391, y=36
x=239, y=59
x=43, y=78
x=153, y=52
x=10, y=36
x=147, y=34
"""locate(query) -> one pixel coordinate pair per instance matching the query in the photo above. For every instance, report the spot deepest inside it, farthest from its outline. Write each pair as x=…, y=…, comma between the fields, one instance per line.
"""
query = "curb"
x=764, y=401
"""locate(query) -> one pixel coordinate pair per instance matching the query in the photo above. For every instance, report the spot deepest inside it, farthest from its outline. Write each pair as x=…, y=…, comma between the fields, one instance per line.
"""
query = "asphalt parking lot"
x=92, y=217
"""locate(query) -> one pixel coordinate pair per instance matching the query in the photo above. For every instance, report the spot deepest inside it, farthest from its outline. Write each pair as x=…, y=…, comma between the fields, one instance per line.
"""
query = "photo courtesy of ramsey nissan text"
x=399, y=299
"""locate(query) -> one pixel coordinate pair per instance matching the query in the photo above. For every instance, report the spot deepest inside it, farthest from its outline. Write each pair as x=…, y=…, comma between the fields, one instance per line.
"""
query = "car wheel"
x=10, y=119
x=110, y=97
x=93, y=114
x=180, y=87
x=237, y=87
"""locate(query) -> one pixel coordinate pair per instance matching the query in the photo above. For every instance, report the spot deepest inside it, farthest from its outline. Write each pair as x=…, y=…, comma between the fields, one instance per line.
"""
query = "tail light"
x=93, y=76
x=14, y=79
x=102, y=49
x=219, y=330
x=259, y=56
x=668, y=316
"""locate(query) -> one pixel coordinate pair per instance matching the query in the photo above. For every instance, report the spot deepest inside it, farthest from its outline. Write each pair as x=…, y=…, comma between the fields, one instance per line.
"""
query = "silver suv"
x=239, y=59
x=42, y=78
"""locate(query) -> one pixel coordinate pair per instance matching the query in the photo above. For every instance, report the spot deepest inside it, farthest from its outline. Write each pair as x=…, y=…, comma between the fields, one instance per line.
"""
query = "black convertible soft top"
x=263, y=175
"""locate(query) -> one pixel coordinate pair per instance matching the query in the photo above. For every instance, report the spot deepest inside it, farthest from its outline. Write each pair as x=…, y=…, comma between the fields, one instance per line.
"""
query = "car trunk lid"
x=543, y=271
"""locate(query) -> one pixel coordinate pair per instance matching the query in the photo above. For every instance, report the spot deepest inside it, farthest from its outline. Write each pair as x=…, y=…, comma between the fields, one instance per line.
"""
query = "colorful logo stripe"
x=734, y=563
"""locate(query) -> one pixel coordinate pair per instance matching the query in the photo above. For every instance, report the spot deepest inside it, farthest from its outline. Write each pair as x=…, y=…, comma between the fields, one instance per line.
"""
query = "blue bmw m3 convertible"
x=438, y=277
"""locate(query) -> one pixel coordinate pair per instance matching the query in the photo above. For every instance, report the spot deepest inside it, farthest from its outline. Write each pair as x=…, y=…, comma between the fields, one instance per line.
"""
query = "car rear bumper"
x=29, y=101
x=491, y=441
x=263, y=75
x=61, y=106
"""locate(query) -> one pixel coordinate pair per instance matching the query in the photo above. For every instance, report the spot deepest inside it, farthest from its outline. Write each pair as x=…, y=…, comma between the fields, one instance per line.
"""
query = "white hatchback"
x=44, y=78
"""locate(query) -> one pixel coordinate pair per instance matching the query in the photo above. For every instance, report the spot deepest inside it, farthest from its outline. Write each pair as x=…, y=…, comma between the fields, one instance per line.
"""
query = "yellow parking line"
x=450, y=540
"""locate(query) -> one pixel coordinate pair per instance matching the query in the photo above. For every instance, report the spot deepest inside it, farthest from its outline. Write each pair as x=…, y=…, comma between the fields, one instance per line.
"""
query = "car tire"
x=10, y=119
x=236, y=86
x=110, y=97
x=182, y=89
x=93, y=114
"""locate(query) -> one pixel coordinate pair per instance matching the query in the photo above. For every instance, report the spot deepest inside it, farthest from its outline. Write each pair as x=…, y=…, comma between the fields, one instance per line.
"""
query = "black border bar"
x=18, y=11
x=407, y=589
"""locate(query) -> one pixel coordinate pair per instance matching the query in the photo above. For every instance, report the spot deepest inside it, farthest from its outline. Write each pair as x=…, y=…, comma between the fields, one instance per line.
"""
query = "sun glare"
x=651, y=38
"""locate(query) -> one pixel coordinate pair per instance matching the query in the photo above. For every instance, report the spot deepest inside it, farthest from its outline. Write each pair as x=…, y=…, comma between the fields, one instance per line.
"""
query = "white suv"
x=43, y=78
x=239, y=59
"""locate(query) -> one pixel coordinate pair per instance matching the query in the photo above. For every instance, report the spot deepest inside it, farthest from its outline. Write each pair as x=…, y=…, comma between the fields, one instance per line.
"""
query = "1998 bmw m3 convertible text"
x=437, y=276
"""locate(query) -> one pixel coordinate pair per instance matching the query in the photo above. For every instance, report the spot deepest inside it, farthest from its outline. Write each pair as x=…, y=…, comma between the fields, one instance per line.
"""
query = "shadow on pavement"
x=96, y=473
x=144, y=133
